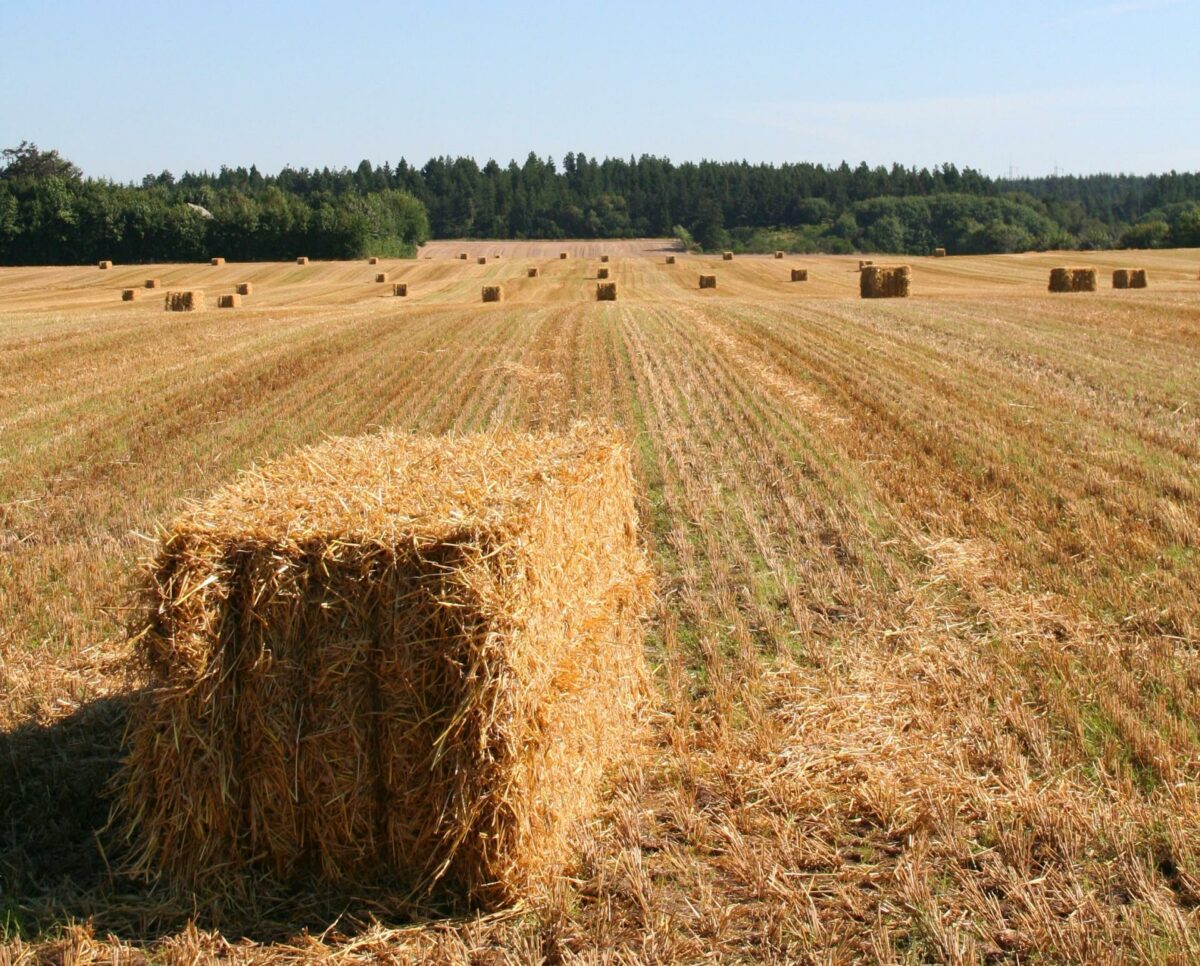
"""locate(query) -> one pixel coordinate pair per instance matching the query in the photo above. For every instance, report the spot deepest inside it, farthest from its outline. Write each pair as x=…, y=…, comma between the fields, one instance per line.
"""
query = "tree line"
x=50, y=213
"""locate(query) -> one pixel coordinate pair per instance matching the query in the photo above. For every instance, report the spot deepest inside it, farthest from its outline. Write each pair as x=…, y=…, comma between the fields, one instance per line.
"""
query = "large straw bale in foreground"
x=884, y=281
x=393, y=659
x=1068, y=279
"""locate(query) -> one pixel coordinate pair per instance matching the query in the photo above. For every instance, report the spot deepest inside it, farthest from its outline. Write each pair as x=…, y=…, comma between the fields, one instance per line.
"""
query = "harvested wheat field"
x=924, y=657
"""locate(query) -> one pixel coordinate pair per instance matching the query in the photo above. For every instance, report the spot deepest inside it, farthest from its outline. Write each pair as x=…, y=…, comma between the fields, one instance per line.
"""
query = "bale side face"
x=245, y=288
x=1068, y=279
x=302, y=260
x=727, y=256
x=799, y=274
x=708, y=281
x=1138, y=278
x=939, y=253
x=604, y=258
x=105, y=266
x=602, y=273
x=606, y=291
x=481, y=260
x=400, y=289
x=372, y=260
x=533, y=273
x=884, y=281
x=562, y=255
x=1120, y=278
x=218, y=261
x=192, y=301
x=493, y=293
x=779, y=254
x=129, y=294
x=233, y=301
x=670, y=259
x=153, y=283
x=381, y=277
x=390, y=658
x=463, y=255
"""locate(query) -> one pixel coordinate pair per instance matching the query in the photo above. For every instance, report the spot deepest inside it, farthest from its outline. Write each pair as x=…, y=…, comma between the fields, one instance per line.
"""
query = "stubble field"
x=926, y=654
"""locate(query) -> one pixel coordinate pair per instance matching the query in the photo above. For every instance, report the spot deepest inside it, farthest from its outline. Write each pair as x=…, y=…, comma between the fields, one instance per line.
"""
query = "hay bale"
x=939, y=253
x=1129, y=278
x=302, y=260
x=400, y=288
x=244, y=288
x=391, y=659
x=884, y=281
x=129, y=294
x=229, y=301
x=493, y=293
x=863, y=263
x=381, y=277
x=463, y=255
x=727, y=256
x=192, y=301
x=670, y=259
x=372, y=260
x=481, y=260
x=1068, y=279
x=602, y=273
x=1120, y=278
x=708, y=281
x=606, y=291
x=218, y=261
x=104, y=266
x=153, y=283
x=779, y=254
x=532, y=273
x=562, y=255
x=1138, y=278
x=799, y=274
x=604, y=258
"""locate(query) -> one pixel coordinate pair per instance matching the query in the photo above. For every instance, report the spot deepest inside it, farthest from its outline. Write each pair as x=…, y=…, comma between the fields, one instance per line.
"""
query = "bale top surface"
x=392, y=487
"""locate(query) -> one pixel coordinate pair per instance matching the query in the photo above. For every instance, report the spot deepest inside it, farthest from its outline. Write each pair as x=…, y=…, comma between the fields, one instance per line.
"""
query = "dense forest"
x=51, y=213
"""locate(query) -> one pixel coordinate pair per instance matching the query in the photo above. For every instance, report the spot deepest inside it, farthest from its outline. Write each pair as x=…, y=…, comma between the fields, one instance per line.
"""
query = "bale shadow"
x=59, y=863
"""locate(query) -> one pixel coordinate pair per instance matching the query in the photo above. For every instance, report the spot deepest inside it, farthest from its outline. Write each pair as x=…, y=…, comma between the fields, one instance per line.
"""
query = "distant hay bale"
x=1129, y=278
x=884, y=281
x=105, y=266
x=533, y=273
x=152, y=283
x=498, y=255
x=129, y=294
x=372, y=260
x=302, y=260
x=779, y=254
x=606, y=291
x=481, y=260
x=229, y=301
x=218, y=261
x=381, y=277
x=939, y=253
x=708, y=281
x=863, y=263
x=604, y=258
x=400, y=289
x=493, y=293
x=1067, y=279
x=192, y=301
x=463, y=255
x=799, y=274
x=670, y=259
x=727, y=256
x=602, y=273
x=562, y=255
x=245, y=288
x=391, y=659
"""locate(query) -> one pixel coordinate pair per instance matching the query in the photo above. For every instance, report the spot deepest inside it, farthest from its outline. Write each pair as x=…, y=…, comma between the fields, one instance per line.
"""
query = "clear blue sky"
x=128, y=88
